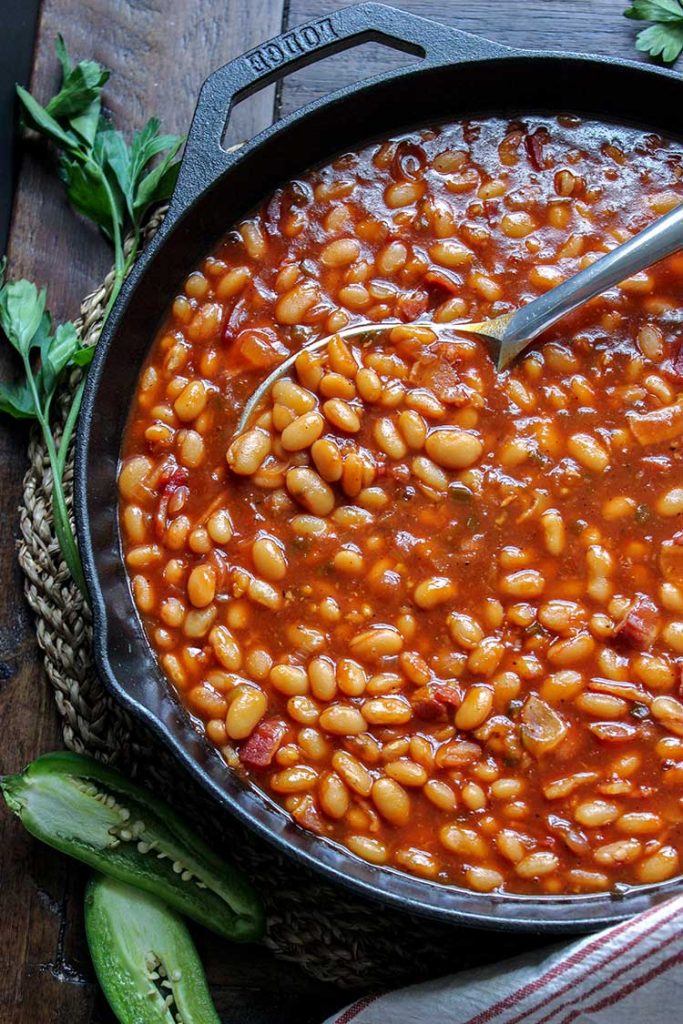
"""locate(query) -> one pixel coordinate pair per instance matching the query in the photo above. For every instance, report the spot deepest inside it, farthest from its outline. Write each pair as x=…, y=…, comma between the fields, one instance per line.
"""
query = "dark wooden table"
x=159, y=53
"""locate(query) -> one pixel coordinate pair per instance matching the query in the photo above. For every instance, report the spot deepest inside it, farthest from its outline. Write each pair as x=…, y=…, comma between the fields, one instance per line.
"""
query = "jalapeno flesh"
x=144, y=957
x=93, y=813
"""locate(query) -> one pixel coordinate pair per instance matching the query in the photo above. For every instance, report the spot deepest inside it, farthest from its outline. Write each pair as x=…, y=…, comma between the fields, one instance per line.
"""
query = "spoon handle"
x=660, y=239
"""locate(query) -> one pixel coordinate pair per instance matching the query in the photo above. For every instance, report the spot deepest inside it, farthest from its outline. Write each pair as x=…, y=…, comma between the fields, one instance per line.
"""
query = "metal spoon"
x=511, y=333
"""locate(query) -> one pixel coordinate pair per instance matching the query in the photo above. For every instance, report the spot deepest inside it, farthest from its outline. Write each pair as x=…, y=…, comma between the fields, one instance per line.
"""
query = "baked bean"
x=299, y=779
x=372, y=850
x=389, y=439
x=387, y=711
x=302, y=432
x=537, y=865
x=429, y=473
x=391, y=800
x=440, y=794
x=589, y=452
x=269, y=559
x=450, y=253
x=417, y=861
x=342, y=720
x=434, y=591
x=595, y=813
x=247, y=707
x=659, y=866
x=201, y=585
x=475, y=708
x=356, y=776
x=464, y=841
x=247, y=452
x=407, y=773
x=310, y=490
x=341, y=252
x=191, y=401
x=525, y=583
x=333, y=795
x=376, y=643
x=452, y=448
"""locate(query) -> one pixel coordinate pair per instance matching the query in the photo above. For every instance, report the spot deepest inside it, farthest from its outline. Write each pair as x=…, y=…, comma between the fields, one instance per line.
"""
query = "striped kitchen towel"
x=629, y=974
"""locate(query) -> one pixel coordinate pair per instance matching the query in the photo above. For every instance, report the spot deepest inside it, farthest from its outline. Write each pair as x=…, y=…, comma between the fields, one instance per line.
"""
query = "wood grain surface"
x=159, y=53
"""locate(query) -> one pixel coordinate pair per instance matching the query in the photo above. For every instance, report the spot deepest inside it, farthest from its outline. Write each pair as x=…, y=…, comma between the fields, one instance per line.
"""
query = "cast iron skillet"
x=455, y=75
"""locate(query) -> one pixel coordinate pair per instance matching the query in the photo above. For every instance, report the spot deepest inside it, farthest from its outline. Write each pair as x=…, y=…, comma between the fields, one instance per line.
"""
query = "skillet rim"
x=251, y=805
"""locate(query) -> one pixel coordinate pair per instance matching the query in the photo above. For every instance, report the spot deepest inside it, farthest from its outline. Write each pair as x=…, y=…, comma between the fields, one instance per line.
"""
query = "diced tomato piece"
x=640, y=625
x=260, y=748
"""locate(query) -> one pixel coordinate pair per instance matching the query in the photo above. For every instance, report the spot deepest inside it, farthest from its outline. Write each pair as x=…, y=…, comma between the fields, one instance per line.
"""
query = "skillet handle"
x=205, y=160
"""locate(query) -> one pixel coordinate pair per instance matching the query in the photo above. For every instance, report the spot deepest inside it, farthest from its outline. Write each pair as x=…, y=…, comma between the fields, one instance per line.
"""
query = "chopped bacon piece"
x=408, y=162
x=676, y=368
x=173, y=477
x=306, y=814
x=282, y=202
x=441, y=377
x=259, y=749
x=169, y=482
x=640, y=625
x=237, y=317
x=657, y=426
x=446, y=694
x=534, y=143
x=428, y=708
x=443, y=279
x=430, y=702
x=572, y=837
x=411, y=305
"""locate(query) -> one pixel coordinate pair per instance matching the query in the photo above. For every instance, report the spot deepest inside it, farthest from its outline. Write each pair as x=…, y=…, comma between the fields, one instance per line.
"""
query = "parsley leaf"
x=664, y=39
x=109, y=181
x=47, y=355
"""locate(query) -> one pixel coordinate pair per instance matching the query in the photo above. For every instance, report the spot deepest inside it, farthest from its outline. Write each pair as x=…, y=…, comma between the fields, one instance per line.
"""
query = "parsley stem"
x=69, y=426
x=121, y=275
x=63, y=528
x=114, y=213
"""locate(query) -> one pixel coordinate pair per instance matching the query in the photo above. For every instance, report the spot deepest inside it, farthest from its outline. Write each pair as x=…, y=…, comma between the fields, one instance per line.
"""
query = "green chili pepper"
x=94, y=814
x=144, y=958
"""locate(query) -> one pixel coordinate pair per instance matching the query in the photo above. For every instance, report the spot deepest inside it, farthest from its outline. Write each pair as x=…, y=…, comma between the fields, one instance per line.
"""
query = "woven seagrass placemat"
x=334, y=936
